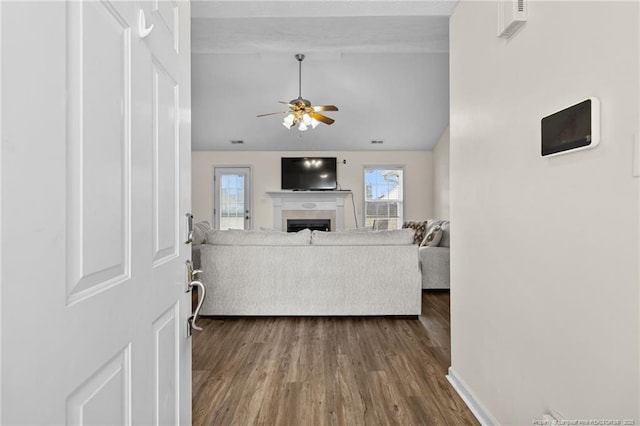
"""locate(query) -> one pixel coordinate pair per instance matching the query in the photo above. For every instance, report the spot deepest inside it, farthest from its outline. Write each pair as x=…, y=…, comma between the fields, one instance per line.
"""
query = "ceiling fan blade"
x=286, y=103
x=325, y=108
x=271, y=113
x=323, y=118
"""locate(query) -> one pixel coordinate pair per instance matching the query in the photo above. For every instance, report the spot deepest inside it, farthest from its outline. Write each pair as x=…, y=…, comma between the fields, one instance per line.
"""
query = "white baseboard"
x=480, y=411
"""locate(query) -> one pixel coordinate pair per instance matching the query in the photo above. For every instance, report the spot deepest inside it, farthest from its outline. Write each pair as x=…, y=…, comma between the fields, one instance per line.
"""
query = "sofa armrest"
x=434, y=265
x=195, y=255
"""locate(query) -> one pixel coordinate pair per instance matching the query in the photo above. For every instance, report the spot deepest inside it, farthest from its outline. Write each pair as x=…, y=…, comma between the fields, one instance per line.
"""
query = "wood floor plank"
x=327, y=371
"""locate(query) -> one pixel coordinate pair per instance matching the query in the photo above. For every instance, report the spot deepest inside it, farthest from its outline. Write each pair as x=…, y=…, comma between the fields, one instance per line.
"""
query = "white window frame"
x=401, y=205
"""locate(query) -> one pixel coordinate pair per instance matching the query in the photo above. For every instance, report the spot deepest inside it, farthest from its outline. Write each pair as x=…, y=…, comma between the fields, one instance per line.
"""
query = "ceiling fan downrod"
x=300, y=58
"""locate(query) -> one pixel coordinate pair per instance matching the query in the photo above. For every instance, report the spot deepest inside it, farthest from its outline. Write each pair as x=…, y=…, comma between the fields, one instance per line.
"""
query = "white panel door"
x=95, y=176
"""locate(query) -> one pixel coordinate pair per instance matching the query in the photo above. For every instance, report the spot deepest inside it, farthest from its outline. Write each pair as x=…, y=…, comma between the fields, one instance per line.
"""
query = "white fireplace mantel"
x=308, y=201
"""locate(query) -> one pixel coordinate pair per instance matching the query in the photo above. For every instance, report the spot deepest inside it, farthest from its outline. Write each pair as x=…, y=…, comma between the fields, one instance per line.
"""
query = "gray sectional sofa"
x=434, y=254
x=310, y=274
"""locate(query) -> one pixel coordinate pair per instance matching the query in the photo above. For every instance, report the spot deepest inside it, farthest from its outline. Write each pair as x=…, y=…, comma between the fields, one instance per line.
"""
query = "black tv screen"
x=309, y=173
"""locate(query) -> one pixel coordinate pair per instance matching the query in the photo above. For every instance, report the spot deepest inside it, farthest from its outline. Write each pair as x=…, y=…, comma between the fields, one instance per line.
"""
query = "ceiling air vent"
x=237, y=142
x=512, y=15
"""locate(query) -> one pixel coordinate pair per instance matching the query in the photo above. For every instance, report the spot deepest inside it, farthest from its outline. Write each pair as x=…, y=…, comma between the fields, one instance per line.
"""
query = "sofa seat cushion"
x=239, y=237
x=394, y=237
x=435, y=266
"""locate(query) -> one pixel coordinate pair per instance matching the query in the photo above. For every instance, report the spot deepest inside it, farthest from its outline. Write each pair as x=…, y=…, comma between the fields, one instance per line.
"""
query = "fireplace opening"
x=295, y=225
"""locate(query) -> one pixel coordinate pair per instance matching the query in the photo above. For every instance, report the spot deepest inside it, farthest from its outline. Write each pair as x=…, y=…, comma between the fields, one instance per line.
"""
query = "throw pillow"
x=433, y=237
x=200, y=232
x=419, y=228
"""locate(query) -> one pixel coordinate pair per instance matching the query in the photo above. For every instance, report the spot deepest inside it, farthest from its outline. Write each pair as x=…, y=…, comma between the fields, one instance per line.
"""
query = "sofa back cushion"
x=239, y=237
x=420, y=228
x=394, y=237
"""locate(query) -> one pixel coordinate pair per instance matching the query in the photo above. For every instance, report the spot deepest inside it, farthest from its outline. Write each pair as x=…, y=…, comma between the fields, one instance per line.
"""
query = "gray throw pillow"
x=200, y=232
x=433, y=237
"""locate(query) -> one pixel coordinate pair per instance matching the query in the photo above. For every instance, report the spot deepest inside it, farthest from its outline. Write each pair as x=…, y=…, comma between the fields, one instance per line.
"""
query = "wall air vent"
x=237, y=142
x=377, y=142
x=512, y=15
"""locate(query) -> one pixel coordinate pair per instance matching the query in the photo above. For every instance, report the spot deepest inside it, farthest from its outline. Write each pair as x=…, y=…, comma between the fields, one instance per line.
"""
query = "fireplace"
x=295, y=225
x=308, y=206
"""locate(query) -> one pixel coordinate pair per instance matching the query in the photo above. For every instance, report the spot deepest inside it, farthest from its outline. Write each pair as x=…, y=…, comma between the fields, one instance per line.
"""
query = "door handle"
x=202, y=293
x=193, y=281
x=189, y=228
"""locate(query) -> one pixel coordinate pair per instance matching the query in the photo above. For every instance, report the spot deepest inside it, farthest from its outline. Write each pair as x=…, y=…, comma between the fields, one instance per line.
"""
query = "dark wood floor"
x=317, y=371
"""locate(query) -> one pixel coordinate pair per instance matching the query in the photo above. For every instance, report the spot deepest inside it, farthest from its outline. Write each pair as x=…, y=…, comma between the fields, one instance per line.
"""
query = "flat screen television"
x=309, y=173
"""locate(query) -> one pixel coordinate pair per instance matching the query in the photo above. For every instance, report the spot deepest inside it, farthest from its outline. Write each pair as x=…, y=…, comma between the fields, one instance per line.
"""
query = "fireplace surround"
x=299, y=205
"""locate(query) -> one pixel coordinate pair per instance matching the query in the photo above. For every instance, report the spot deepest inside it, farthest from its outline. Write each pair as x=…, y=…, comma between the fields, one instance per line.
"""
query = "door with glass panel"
x=232, y=198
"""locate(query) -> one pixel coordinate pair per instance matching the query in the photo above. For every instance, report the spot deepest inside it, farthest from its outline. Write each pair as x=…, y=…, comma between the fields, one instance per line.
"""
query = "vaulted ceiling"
x=385, y=64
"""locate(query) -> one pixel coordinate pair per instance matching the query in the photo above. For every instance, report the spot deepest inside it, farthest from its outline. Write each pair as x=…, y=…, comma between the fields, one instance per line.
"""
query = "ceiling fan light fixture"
x=306, y=119
x=289, y=121
x=301, y=111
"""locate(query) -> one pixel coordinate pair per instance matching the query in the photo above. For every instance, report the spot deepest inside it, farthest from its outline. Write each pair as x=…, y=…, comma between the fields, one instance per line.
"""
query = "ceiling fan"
x=301, y=111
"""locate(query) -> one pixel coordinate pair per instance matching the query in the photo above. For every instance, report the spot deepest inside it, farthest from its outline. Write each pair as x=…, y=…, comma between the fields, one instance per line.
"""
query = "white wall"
x=266, y=177
x=441, y=177
x=545, y=253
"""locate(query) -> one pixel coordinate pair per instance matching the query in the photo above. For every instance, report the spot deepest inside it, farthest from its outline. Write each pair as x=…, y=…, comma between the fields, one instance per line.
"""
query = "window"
x=383, y=200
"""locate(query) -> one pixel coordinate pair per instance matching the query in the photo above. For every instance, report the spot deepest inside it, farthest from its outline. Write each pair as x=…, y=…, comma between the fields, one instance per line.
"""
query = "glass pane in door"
x=232, y=208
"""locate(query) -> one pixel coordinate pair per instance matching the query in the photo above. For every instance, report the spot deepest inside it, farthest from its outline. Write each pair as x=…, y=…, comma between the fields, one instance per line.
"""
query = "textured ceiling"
x=361, y=55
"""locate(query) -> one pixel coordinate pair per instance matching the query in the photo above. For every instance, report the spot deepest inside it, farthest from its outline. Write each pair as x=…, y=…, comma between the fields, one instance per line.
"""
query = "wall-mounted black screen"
x=309, y=173
x=568, y=129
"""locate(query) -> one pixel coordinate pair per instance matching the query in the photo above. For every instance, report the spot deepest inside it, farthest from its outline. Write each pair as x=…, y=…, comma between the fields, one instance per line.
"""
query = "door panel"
x=169, y=13
x=105, y=397
x=98, y=122
x=166, y=400
x=165, y=164
x=95, y=183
